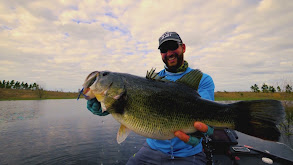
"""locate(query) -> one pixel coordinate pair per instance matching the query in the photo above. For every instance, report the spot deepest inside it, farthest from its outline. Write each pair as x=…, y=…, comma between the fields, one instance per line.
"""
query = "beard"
x=174, y=67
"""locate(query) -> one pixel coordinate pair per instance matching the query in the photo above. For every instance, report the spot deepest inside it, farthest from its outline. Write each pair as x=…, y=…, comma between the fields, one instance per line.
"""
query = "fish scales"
x=167, y=110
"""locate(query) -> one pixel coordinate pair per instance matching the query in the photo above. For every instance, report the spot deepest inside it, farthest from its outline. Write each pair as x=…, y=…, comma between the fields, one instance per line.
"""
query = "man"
x=183, y=149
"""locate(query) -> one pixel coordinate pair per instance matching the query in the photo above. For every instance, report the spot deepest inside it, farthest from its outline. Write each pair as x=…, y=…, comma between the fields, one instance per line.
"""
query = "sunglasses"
x=169, y=45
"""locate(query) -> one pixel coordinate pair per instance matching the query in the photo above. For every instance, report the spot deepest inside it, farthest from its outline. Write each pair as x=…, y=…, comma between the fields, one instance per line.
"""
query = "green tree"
x=7, y=85
x=25, y=86
x=279, y=89
x=4, y=83
x=12, y=83
x=254, y=88
x=17, y=85
x=272, y=89
x=34, y=87
x=265, y=88
x=22, y=85
x=288, y=88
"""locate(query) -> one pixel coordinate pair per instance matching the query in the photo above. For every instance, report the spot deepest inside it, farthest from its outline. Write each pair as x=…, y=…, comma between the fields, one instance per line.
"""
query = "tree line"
x=266, y=89
x=18, y=85
x=22, y=85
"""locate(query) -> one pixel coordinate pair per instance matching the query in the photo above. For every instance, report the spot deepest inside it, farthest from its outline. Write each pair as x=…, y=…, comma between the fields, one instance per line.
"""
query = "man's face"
x=172, y=54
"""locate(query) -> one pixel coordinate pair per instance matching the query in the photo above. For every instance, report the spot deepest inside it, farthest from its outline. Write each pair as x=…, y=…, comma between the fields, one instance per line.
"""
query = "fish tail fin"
x=259, y=118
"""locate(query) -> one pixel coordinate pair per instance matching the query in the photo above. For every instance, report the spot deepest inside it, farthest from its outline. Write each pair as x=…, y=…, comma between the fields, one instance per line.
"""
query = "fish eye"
x=105, y=73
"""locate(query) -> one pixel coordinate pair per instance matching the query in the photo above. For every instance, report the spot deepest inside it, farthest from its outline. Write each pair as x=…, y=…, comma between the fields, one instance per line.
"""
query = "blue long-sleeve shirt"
x=175, y=146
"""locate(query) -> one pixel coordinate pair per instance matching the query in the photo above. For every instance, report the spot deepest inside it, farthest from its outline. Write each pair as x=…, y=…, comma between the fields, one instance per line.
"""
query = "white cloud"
x=239, y=43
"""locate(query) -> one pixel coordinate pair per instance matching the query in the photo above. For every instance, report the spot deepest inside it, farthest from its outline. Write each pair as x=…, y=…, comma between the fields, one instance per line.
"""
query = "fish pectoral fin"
x=122, y=133
x=121, y=93
x=118, y=96
x=103, y=107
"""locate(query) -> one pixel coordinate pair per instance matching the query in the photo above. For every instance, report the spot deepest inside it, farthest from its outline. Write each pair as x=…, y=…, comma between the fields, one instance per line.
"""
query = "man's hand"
x=94, y=106
x=207, y=130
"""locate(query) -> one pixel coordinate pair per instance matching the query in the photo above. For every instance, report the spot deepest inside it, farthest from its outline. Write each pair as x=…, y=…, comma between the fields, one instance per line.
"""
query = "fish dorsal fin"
x=122, y=133
x=191, y=79
x=152, y=75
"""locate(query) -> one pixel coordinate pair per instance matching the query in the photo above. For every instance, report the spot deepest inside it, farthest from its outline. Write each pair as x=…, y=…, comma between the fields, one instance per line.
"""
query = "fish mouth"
x=89, y=81
x=87, y=91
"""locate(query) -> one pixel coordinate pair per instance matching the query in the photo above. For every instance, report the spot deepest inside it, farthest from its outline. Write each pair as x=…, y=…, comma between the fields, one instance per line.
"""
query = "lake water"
x=61, y=132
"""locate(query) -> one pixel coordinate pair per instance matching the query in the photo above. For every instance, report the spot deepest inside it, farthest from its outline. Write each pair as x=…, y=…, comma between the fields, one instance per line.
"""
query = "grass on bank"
x=225, y=96
x=23, y=94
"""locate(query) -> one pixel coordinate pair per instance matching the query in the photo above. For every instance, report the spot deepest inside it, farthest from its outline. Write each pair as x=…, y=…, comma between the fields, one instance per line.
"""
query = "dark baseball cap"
x=169, y=36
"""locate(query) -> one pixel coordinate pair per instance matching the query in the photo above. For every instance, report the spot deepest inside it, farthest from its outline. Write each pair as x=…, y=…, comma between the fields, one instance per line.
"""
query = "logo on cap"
x=169, y=36
x=166, y=34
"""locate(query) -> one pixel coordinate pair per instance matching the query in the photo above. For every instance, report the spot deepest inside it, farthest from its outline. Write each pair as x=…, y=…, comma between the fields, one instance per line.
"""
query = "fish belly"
x=152, y=126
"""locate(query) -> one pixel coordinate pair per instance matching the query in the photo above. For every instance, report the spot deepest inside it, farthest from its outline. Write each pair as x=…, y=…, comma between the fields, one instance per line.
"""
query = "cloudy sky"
x=57, y=43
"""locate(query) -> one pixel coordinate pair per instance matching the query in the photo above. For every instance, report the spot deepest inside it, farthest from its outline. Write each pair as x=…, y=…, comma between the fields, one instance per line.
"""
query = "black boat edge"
x=227, y=146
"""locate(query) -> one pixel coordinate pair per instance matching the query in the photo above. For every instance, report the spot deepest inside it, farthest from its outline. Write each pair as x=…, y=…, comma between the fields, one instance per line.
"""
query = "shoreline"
x=23, y=94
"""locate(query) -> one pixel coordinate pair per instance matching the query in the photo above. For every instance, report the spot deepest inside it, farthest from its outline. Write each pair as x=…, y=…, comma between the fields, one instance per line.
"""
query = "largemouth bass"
x=156, y=109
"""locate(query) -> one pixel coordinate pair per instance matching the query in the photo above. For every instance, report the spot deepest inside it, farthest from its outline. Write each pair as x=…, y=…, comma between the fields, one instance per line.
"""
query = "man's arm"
x=206, y=87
